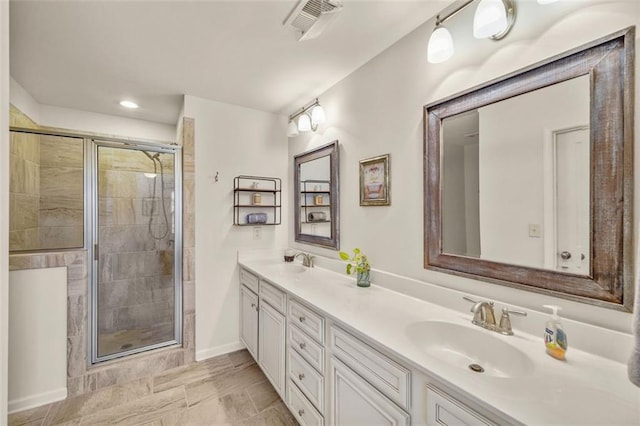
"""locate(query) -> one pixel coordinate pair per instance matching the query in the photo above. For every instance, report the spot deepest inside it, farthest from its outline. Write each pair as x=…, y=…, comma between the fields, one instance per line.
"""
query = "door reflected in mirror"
x=316, y=198
x=516, y=181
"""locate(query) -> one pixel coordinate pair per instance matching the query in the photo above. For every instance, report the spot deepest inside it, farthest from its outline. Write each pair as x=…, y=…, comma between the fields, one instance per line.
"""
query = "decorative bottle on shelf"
x=256, y=199
x=318, y=200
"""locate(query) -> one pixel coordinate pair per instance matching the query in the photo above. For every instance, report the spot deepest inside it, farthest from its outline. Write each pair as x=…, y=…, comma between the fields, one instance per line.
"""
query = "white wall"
x=90, y=122
x=512, y=167
x=379, y=109
x=4, y=206
x=37, y=349
x=229, y=141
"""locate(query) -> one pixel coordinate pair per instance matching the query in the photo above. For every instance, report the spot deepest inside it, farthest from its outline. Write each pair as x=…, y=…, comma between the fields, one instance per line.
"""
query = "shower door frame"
x=91, y=162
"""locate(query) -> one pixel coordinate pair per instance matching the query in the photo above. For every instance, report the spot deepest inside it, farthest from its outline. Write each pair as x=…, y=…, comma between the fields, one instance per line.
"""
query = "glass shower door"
x=136, y=278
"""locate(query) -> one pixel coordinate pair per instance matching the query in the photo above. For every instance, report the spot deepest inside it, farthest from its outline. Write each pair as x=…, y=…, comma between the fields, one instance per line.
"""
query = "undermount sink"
x=289, y=268
x=475, y=350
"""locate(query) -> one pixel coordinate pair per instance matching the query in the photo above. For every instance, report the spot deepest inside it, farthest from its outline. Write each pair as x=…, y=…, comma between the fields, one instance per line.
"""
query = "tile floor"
x=226, y=390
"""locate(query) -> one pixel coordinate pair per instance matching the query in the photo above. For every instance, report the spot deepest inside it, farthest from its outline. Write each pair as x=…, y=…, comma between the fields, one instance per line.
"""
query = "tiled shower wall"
x=46, y=192
x=24, y=192
x=136, y=289
x=61, y=210
x=81, y=377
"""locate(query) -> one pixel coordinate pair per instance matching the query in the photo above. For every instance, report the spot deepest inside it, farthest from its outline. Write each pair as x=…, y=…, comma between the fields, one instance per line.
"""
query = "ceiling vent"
x=311, y=17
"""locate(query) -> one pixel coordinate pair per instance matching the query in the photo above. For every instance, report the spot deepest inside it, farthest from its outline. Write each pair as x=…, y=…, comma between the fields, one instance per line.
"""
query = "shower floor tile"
x=226, y=390
x=124, y=340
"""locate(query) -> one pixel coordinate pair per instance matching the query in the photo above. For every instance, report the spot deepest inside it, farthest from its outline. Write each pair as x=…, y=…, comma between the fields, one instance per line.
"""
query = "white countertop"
x=584, y=389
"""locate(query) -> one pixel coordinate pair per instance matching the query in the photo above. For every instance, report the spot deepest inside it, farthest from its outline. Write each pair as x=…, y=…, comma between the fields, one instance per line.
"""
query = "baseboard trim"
x=34, y=401
x=219, y=350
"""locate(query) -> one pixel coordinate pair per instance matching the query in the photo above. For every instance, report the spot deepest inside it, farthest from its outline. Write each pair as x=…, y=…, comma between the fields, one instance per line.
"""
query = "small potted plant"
x=360, y=264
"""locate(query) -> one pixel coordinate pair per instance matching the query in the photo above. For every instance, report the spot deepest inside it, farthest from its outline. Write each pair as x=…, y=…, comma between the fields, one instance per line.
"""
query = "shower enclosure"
x=137, y=248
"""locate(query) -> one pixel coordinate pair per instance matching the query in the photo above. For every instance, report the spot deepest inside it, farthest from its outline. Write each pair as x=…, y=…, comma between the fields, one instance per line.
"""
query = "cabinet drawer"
x=307, y=320
x=445, y=410
x=248, y=279
x=276, y=298
x=386, y=375
x=354, y=401
x=307, y=348
x=308, y=380
x=301, y=408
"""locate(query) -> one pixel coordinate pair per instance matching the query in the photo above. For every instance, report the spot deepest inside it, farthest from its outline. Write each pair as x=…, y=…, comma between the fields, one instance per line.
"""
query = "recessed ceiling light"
x=129, y=104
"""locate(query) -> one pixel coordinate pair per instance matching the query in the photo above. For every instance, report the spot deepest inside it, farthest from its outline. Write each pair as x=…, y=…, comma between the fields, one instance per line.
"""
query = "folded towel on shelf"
x=633, y=369
x=316, y=217
x=257, y=218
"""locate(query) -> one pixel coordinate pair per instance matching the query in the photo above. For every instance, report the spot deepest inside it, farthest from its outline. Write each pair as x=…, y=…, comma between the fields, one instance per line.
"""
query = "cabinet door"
x=249, y=320
x=355, y=402
x=271, y=348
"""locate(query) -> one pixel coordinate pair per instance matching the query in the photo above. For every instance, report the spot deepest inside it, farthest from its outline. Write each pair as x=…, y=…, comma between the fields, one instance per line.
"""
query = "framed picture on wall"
x=375, y=189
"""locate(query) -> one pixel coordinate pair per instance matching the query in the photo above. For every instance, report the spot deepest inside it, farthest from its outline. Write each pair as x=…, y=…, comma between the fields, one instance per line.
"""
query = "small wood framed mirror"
x=316, y=197
x=529, y=178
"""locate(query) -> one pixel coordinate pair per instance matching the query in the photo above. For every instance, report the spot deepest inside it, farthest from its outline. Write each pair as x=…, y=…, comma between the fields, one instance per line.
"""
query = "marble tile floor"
x=226, y=390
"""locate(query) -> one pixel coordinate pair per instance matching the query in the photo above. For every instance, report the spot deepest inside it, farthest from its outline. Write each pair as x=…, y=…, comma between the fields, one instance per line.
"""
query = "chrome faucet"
x=484, y=316
x=307, y=259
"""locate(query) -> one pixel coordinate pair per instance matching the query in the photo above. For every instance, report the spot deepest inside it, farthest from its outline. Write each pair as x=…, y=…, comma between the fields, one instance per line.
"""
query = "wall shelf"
x=311, y=188
x=269, y=192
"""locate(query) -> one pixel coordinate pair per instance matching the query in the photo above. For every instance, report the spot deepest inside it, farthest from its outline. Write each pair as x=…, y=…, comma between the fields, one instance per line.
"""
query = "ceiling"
x=89, y=55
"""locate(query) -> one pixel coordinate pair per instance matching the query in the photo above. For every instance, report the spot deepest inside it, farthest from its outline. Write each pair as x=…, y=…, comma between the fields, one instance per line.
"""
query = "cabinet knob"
x=302, y=319
x=253, y=305
x=300, y=376
x=303, y=345
x=301, y=413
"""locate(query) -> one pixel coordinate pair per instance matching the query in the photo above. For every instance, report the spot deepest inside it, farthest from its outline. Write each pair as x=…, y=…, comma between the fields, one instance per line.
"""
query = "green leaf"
x=356, y=250
x=344, y=256
x=349, y=269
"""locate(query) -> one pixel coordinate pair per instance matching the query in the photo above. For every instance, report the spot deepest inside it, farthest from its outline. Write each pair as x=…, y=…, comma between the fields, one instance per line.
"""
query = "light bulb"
x=440, y=47
x=304, y=123
x=317, y=115
x=292, y=129
x=490, y=19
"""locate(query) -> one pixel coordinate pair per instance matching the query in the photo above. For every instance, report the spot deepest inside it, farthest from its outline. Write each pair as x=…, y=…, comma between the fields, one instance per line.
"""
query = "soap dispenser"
x=555, y=338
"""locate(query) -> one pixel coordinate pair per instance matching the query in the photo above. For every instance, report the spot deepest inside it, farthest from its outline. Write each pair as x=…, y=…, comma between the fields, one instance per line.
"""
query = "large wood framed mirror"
x=316, y=197
x=529, y=178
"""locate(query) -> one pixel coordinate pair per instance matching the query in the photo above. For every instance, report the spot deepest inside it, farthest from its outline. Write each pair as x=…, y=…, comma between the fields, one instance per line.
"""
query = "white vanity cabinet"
x=329, y=374
x=249, y=320
x=367, y=387
x=444, y=410
x=263, y=326
x=271, y=345
x=354, y=401
x=306, y=363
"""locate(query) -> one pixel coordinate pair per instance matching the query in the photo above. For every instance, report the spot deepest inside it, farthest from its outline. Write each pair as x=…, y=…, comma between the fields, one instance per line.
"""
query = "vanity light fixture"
x=440, y=46
x=306, y=121
x=493, y=19
x=292, y=129
x=129, y=104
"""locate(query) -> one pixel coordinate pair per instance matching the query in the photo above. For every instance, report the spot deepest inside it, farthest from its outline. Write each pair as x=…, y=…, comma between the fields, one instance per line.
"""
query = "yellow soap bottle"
x=555, y=339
